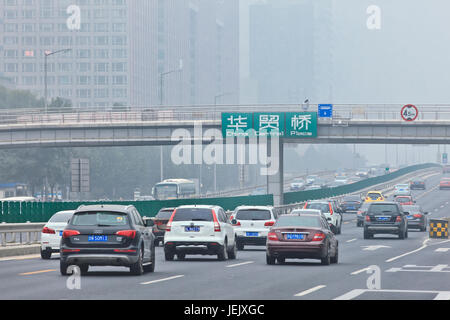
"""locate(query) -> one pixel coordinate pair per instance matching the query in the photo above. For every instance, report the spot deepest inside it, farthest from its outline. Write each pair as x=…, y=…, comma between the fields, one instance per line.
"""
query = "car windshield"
x=374, y=195
x=403, y=199
x=249, y=214
x=322, y=206
x=298, y=221
x=61, y=217
x=383, y=209
x=95, y=218
x=165, y=214
x=193, y=214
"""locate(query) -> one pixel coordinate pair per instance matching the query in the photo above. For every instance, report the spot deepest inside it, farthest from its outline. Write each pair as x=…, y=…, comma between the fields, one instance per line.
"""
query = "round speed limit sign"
x=409, y=112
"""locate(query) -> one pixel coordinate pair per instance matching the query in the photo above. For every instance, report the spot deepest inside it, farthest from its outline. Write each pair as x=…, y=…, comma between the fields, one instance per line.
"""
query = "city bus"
x=174, y=189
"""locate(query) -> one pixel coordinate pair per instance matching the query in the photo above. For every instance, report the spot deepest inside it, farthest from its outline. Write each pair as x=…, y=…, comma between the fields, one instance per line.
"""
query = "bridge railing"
x=349, y=112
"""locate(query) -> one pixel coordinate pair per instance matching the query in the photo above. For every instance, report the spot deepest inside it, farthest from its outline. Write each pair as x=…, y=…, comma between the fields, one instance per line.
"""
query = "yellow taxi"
x=373, y=196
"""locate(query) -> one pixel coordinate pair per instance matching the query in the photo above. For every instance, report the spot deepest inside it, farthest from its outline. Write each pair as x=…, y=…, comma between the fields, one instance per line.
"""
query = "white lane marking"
x=440, y=295
x=239, y=264
x=359, y=271
x=304, y=293
x=408, y=253
x=439, y=268
x=351, y=240
x=164, y=279
x=373, y=248
x=442, y=250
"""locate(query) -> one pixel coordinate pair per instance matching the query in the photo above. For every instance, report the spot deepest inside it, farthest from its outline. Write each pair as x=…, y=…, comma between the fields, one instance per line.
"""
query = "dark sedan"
x=301, y=236
x=351, y=203
x=417, y=219
x=160, y=222
x=417, y=184
x=107, y=235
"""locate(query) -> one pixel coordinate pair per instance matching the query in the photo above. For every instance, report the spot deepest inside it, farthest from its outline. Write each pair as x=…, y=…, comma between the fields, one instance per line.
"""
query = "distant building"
x=120, y=48
x=9, y=190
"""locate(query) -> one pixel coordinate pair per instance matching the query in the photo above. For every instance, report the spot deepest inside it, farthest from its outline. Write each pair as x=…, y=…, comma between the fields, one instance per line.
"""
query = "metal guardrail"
x=18, y=230
x=342, y=113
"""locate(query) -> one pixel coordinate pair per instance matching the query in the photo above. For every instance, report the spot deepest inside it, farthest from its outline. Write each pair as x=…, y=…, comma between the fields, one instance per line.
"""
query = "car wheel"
x=240, y=246
x=270, y=260
x=401, y=235
x=63, y=268
x=367, y=235
x=326, y=260
x=335, y=259
x=281, y=260
x=156, y=243
x=84, y=269
x=169, y=255
x=223, y=253
x=46, y=254
x=181, y=256
x=233, y=252
x=151, y=267
x=406, y=234
x=137, y=268
x=424, y=228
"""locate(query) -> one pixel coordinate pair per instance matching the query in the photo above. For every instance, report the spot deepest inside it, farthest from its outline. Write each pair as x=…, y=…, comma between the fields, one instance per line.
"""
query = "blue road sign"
x=325, y=110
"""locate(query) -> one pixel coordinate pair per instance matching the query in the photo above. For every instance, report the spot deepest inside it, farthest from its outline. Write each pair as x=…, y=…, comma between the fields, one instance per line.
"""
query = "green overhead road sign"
x=282, y=124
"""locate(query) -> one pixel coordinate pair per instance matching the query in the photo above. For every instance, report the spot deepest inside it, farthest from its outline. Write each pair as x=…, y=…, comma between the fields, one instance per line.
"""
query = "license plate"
x=97, y=238
x=383, y=218
x=409, y=217
x=251, y=234
x=294, y=236
x=192, y=229
x=352, y=208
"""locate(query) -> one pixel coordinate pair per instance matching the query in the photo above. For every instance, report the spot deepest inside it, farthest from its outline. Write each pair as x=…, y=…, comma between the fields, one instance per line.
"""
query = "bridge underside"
x=159, y=133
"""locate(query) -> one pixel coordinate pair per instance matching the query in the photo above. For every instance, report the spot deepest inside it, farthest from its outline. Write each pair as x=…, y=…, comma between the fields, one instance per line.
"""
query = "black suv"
x=385, y=218
x=108, y=235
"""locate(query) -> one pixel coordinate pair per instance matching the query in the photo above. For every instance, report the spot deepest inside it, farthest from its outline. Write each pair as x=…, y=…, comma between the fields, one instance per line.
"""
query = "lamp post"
x=46, y=55
x=161, y=102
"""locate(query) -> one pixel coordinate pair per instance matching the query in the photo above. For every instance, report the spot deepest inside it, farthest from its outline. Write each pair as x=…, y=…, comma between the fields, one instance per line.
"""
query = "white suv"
x=331, y=213
x=252, y=224
x=201, y=229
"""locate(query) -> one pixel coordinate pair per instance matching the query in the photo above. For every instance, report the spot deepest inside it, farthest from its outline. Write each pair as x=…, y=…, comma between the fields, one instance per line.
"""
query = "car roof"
x=300, y=215
x=374, y=191
x=254, y=208
x=65, y=212
x=383, y=202
x=104, y=207
x=305, y=211
x=198, y=206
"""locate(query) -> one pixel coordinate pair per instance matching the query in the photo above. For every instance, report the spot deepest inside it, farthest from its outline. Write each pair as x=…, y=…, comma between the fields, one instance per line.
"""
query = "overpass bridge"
x=91, y=127
x=154, y=126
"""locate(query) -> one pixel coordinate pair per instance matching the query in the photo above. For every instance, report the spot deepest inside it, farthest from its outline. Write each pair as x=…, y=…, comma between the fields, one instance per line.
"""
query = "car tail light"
x=305, y=206
x=216, y=222
x=231, y=217
x=399, y=219
x=319, y=236
x=169, y=224
x=269, y=223
x=359, y=212
x=238, y=224
x=272, y=236
x=367, y=218
x=70, y=233
x=158, y=223
x=331, y=208
x=127, y=233
x=417, y=215
x=48, y=230
x=71, y=250
x=124, y=250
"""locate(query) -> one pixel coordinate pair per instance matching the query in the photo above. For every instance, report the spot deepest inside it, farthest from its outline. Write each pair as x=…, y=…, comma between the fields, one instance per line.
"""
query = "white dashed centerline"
x=239, y=264
x=304, y=293
x=164, y=279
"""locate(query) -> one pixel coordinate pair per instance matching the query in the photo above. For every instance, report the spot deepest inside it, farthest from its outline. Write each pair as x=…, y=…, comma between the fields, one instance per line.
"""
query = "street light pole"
x=46, y=55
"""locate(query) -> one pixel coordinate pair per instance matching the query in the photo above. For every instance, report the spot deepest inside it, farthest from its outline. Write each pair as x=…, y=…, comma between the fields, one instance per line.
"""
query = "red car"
x=301, y=236
x=445, y=183
x=405, y=200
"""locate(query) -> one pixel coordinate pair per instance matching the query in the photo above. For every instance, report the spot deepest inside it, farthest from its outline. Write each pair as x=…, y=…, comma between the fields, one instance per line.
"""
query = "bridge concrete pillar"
x=275, y=182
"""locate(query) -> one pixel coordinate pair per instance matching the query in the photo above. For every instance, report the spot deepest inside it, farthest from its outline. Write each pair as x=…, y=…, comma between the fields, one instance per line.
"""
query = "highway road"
x=415, y=268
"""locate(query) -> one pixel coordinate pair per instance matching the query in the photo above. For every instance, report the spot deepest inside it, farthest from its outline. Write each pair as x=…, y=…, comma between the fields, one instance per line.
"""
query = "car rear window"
x=324, y=207
x=298, y=221
x=352, y=199
x=166, y=214
x=410, y=209
x=95, y=218
x=61, y=217
x=374, y=196
x=383, y=209
x=403, y=200
x=193, y=214
x=253, y=215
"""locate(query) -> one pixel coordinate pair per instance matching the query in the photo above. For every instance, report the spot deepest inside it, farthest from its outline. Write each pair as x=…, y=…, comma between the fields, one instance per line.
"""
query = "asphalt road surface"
x=414, y=268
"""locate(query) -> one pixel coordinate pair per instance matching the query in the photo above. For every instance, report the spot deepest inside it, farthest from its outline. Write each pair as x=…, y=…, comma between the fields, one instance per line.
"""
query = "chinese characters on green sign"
x=289, y=125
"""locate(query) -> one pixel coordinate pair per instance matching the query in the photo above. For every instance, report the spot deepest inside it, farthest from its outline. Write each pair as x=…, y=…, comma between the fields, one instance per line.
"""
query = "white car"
x=52, y=232
x=311, y=178
x=298, y=184
x=333, y=217
x=199, y=229
x=308, y=211
x=252, y=224
x=402, y=190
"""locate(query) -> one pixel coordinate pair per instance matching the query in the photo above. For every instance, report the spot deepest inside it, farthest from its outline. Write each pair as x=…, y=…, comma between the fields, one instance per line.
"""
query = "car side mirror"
x=149, y=223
